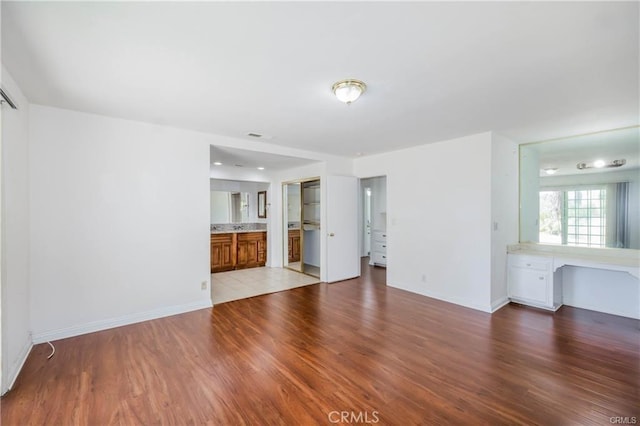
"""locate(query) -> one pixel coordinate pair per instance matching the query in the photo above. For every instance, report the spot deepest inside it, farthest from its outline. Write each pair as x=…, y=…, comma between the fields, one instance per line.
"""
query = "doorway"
x=366, y=220
x=301, y=226
x=373, y=229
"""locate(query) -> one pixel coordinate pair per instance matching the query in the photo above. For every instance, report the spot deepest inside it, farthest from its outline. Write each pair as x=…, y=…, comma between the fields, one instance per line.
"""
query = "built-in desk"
x=533, y=270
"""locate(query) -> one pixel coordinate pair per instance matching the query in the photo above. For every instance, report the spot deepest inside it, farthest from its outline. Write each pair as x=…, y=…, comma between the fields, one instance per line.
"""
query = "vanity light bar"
x=614, y=163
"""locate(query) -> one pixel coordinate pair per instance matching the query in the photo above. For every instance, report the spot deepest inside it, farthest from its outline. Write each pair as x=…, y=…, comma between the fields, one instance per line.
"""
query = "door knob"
x=332, y=234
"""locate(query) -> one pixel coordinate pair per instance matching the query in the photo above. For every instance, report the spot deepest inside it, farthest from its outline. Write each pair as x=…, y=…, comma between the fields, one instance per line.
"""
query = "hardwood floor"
x=339, y=353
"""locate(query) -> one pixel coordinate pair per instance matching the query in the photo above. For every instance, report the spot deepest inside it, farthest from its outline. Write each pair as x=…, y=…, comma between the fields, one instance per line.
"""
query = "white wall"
x=119, y=221
x=16, y=338
x=439, y=218
x=504, y=213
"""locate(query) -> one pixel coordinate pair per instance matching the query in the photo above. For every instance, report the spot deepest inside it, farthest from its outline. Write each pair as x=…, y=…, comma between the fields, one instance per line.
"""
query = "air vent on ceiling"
x=4, y=97
x=259, y=135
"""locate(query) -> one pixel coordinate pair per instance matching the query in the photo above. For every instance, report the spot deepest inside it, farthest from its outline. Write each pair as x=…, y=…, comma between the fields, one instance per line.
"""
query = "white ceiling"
x=234, y=158
x=434, y=70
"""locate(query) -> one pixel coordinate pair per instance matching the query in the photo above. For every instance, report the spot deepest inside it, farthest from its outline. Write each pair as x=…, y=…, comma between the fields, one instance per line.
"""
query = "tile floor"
x=234, y=285
x=308, y=269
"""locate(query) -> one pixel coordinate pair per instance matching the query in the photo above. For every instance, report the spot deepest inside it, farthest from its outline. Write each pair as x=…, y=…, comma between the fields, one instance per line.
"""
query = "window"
x=585, y=213
x=573, y=216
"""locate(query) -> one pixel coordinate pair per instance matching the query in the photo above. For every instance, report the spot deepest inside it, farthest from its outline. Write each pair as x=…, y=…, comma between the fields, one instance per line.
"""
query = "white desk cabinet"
x=378, y=248
x=532, y=281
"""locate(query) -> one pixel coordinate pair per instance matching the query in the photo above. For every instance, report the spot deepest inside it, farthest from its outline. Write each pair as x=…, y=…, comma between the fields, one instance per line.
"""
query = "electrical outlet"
x=203, y=285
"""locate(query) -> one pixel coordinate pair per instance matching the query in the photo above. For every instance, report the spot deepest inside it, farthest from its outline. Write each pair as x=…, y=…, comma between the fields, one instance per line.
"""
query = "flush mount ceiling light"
x=550, y=170
x=349, y=90
x=217, y=163
x=598, y=164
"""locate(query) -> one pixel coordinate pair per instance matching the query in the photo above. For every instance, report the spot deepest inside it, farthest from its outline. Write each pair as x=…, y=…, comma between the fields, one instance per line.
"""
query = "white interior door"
x=343, y=260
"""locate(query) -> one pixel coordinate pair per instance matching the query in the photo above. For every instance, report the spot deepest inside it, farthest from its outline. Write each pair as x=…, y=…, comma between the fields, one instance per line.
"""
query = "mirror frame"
x=262, y=204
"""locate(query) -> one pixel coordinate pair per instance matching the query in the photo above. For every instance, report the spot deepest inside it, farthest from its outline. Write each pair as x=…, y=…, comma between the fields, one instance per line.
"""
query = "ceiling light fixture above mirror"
x=598, y=164
x=348, y=90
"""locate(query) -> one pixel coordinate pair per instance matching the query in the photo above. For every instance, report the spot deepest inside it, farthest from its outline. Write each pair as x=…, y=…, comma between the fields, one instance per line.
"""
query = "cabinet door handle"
x=332, y=234
x=528, y=264
x=384, y=235
x=384, y=257
x=541, y=278
x=384, y=246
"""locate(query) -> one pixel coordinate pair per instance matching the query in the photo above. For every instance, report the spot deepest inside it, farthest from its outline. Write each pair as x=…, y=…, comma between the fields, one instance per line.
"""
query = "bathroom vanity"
x=238, y=249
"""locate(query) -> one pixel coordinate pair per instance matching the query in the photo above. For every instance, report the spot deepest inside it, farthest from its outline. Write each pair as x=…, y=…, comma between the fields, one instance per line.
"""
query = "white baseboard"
x=604, y=310
x=500, y=303
x=14, y=369
x=455, y=301
x=90, y=327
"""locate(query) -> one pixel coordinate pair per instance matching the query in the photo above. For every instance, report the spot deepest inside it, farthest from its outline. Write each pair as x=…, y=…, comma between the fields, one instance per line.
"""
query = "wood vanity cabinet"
x=294, y=245
x=252, y=250
x=238, y=251
x=223, y=252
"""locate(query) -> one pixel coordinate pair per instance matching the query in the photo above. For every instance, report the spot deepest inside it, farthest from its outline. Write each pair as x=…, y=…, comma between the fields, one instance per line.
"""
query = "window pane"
x=584, y=214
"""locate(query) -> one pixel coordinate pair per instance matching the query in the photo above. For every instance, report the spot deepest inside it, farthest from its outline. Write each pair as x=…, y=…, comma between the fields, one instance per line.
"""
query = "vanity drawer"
x=526, y=262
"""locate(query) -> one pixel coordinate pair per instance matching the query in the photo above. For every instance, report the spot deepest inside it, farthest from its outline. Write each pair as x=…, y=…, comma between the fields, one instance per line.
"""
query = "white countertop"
x=627, y=260
x=237, y=231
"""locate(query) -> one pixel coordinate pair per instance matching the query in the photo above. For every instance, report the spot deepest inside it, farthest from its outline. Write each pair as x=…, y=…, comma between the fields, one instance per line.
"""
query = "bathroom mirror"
x=582, y=191
x=229, y=207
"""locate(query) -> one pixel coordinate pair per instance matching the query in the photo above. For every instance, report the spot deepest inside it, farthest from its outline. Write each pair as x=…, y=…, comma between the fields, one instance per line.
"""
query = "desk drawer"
x=526, y=262
x=379, y=258
x=379, y=236
x=379, y=247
